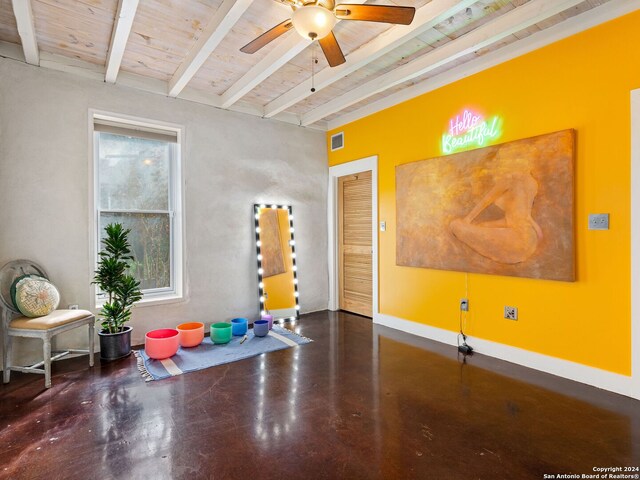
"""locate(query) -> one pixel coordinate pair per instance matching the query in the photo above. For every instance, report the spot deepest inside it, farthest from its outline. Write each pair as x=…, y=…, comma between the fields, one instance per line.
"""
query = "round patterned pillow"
x=12, y=290
x=36, y=297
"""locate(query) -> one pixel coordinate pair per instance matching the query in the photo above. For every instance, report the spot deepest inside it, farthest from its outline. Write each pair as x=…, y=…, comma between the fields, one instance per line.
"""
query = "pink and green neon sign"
x=470, y=129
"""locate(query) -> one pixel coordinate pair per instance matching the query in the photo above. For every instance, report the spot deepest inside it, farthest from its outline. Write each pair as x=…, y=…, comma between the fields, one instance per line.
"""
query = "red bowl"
x=162, y=343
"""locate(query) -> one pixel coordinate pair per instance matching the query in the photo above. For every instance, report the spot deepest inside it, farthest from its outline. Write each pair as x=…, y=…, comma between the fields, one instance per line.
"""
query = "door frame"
x=350, y=168
x=635, y=244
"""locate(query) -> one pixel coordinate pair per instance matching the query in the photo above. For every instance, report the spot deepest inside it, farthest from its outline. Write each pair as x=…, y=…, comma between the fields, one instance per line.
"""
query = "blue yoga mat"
x=208, y=355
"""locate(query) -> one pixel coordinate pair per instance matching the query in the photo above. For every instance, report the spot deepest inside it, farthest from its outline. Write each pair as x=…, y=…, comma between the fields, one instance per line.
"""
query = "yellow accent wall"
x=584, y=83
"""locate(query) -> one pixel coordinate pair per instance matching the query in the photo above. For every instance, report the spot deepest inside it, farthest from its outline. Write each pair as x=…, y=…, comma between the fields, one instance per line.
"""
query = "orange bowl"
x=162, y=343
x=191, y=334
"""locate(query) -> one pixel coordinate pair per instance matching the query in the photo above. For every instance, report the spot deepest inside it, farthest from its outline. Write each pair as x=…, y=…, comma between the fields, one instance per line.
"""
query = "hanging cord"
x=463, y=347
x=465, y=317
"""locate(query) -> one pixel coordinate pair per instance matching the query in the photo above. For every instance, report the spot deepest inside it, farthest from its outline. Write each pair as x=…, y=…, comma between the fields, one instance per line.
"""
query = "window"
x=137, y=183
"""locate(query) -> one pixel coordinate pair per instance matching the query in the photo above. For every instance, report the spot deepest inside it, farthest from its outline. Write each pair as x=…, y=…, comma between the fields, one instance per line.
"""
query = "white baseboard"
x=596, y=377
x=283, y=312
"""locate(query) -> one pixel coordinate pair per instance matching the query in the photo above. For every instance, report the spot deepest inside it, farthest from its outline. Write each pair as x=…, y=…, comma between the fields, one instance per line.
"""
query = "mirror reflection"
x=277, y=276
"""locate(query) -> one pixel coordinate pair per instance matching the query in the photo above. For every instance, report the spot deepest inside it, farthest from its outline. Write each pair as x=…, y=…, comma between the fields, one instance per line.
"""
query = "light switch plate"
x=383, y=226
x=510, y=313
x=598, y=221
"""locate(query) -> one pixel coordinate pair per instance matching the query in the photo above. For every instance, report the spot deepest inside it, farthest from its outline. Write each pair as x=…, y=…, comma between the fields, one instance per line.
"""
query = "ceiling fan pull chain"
x=314, y=60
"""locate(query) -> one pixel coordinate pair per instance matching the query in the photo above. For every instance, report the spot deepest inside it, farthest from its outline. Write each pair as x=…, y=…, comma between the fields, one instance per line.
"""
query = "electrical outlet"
x=511, y=313
x=73, y=306
x=383, y=226
x=464, y=304
x=598, y=221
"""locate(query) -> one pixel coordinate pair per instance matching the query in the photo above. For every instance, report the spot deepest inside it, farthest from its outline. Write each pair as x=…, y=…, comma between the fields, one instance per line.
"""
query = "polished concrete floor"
x=359, y=402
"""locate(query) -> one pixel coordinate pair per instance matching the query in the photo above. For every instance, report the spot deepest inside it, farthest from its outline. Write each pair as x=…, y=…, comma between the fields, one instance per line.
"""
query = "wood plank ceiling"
x=165, y=36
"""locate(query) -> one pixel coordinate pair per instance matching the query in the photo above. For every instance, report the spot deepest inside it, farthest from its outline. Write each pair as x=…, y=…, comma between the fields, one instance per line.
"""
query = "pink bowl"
x=162, y=343
x=191, y=334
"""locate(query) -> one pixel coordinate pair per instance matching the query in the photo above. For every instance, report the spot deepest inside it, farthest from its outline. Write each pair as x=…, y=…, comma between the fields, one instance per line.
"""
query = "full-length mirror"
x=277, y=271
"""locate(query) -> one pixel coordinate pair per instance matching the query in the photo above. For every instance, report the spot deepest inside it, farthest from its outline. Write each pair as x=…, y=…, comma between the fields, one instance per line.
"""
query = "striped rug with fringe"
x=208, y=355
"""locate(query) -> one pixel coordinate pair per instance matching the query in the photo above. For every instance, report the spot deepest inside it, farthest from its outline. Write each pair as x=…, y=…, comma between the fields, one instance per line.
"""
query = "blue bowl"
x=239, y=326
x=261, y=328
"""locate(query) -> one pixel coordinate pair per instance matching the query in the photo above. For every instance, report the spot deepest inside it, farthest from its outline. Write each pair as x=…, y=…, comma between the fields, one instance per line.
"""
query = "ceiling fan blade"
x=266, y=37
x=332, y=50
x=292, y=3
x=376, y=13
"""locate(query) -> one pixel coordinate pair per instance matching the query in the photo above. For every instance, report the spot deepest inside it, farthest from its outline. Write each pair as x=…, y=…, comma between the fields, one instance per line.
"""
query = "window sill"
x=152, y=301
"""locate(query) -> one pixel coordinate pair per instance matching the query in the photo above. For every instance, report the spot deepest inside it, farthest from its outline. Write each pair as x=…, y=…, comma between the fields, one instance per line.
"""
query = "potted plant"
x=122, y=291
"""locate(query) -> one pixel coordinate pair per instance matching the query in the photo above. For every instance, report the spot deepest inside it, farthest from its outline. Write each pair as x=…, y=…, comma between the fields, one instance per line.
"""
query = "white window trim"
x=179, y=292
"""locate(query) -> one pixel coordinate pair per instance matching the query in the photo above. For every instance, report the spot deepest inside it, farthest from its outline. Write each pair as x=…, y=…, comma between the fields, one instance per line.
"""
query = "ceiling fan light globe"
x=313, y=22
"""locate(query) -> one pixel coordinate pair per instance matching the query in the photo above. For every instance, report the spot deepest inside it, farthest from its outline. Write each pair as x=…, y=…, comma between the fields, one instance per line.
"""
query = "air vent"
x=337, y=141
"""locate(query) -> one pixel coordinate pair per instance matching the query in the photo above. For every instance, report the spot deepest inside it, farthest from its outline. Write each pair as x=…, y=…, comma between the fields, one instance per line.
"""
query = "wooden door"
x=355, y=243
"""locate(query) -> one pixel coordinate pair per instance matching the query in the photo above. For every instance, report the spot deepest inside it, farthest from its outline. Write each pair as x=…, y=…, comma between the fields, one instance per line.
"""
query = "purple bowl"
x=268, y=318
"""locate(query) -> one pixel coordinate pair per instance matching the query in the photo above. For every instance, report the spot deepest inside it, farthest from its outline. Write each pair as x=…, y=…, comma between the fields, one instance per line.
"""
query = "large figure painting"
x=504, y=210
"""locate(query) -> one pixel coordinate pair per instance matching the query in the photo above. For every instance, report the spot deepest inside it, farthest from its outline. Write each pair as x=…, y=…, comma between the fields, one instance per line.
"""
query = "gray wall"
x=232, y=161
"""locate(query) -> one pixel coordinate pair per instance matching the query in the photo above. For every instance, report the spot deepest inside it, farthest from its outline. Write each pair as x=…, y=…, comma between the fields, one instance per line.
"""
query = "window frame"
x=176, y=292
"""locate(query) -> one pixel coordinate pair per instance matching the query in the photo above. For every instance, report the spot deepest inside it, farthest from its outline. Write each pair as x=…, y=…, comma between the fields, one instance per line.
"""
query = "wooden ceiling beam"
x=93, y=72
x=27, y=30
x=507, y=24
x=579, y=23
x=222, y=22
x=285, y=51
x=275, y=59
x=426, y=17
x=119, y=37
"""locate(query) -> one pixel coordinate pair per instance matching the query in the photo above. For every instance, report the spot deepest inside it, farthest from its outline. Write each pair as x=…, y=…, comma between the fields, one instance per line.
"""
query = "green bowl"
x=221, y=333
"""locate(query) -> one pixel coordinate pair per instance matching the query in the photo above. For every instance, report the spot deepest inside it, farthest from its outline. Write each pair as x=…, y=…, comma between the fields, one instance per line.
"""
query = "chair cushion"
x=54, y=319
x=36, y=297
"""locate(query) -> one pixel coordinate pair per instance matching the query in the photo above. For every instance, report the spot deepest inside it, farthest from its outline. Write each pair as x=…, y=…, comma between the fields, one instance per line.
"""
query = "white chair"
x=45, y=327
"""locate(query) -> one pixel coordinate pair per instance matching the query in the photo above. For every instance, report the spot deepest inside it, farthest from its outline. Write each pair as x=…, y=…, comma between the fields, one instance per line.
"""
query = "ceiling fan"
x=314, y=20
